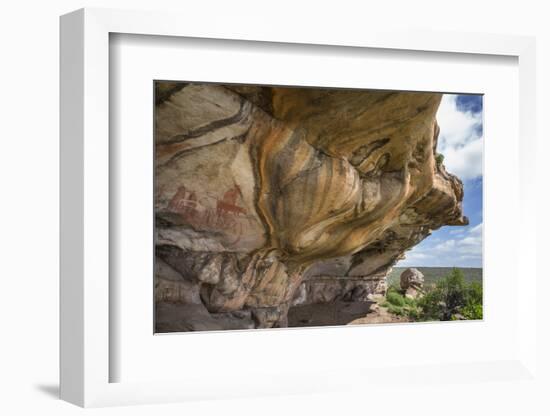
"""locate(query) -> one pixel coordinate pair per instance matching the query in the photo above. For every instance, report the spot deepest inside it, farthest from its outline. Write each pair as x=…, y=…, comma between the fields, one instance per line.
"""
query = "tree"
x=452, y=297
x=474, y=302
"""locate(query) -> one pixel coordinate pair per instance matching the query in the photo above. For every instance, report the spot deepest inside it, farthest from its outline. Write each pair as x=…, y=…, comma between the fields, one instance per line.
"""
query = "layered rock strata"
x=268, y=197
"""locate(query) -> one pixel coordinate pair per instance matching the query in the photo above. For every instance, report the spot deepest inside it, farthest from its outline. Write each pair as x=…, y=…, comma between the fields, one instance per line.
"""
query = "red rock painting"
x=208, y=212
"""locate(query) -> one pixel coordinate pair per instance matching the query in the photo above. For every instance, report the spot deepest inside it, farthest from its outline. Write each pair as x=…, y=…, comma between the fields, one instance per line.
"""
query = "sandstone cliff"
x=269, y=197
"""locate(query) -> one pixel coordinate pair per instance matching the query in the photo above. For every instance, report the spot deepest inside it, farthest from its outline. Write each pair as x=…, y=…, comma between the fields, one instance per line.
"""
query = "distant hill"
x=433, y=274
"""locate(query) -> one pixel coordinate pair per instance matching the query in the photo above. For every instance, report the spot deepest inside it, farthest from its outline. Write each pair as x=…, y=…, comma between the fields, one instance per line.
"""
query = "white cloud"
x=468, y=245
x=421, y=256
x=446, y=246
x=460, y=248
x=459, y=139
x=457, y=231
x=414, y=258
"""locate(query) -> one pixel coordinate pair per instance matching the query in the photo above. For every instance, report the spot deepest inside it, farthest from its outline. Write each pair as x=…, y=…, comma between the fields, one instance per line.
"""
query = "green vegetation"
x=439, y=159
x=395, y=298
x=474, y=302
x=399, y=304
x=450, y=298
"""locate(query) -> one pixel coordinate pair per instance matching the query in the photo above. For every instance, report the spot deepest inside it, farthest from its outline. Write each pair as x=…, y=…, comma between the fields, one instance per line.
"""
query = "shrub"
x=396, y=310
x=395, y=298
x=452, y=296
x=439, y=159
x=474, y=302
x=400, y=305
x=472, y=311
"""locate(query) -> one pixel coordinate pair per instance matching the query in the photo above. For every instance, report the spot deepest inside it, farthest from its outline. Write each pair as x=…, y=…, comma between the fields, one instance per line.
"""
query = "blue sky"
x=461, y=142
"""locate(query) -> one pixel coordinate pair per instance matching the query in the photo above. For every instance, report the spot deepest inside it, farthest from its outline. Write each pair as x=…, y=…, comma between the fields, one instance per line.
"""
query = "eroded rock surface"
x=270, y=197
x=411, y=282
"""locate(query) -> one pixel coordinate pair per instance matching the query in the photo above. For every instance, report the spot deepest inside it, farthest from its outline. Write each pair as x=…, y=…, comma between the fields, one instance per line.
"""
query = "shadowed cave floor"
x=327, y=314
x=184, y=318
x=339, y=313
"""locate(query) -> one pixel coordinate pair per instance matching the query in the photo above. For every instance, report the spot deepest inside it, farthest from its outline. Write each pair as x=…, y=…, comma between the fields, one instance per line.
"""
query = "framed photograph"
x=280, y=213
x=284, y=207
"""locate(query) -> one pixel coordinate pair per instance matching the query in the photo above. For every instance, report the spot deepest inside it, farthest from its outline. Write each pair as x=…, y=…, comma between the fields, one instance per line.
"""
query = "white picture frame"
x=85, y=212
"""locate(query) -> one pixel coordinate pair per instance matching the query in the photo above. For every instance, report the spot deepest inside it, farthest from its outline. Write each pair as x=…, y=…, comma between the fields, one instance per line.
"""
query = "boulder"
x=411, y=278
x=412, y=282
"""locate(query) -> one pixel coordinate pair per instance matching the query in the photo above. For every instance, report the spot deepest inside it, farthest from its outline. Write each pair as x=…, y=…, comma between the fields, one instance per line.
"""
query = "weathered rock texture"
x=411, y=282
x=268, y=197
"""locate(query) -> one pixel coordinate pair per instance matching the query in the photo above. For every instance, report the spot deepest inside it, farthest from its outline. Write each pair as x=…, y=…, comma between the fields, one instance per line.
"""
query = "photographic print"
x=282, y=207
